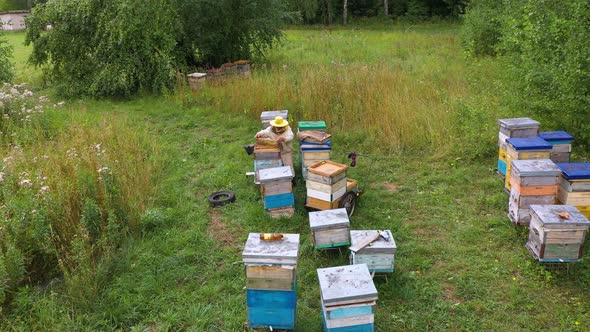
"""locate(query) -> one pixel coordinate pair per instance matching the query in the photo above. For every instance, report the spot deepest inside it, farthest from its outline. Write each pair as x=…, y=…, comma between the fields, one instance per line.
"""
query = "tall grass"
x=71, y=188
x=395, y=89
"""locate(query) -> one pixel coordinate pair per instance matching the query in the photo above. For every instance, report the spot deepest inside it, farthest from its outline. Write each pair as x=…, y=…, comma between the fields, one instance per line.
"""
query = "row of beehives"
x=240, y=67
x=547, y=192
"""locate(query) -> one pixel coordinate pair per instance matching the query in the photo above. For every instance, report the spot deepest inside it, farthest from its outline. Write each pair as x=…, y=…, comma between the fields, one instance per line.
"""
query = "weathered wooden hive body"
x=348, y=298
x=556, y=233
x=271, y=281
x=379, y=255
x=330, y=228
x=574, y=186
x=524, y=149
x=532, y=182
x=326, y=184
x=276, y=187
x=561, y=143
x=513, y=128
x=312, y=152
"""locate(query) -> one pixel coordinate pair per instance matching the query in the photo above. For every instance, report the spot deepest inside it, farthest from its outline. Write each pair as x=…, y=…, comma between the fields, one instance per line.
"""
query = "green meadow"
x=420, y=115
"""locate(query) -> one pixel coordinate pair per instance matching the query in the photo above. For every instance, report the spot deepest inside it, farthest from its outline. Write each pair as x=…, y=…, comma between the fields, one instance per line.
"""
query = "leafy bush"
x=6, y=65
x=481, y=31
x=117, y=48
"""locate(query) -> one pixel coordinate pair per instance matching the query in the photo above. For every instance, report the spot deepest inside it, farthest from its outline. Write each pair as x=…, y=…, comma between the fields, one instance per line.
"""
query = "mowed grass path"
x=460, y=265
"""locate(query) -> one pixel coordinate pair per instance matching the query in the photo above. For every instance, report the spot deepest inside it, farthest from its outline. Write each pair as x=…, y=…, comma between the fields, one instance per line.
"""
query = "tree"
x=345, y=12
x=118, y=47
x=6, y=66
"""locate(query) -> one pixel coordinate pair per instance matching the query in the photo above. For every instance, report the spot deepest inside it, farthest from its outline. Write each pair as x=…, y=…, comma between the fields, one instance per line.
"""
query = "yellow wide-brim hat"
x=279, y=122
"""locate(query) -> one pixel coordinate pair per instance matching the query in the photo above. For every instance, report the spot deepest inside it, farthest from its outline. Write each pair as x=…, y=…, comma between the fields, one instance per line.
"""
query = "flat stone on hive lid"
x=274, y=174
x=378, y=246
x=536, y=167
x=549, y=215
x=346, y=285
x=284, y=251
x=328, y=219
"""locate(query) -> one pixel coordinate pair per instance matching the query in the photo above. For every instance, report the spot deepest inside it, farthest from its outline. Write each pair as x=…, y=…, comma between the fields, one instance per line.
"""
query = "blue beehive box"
x=556, y=137
x=502, y=166
x=269, y=308
x=278, y=201
x=575, y=171
x=532, y=143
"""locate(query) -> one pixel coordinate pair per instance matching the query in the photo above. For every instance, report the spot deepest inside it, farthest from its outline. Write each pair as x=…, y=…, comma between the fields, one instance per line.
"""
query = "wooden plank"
x=534, y=190
x=574, y=186
x=283, y=212
x=269, y=284
x=371, y=237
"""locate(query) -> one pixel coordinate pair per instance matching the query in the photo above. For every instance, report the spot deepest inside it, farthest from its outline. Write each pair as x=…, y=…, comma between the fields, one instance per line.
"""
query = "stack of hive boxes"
x=271, y=279
x=267, y=116
x=379, y=255
x=513, y=128
x=326, y=184
x=330, y=228
x=524, y=149
x=312, y=151
x=348, y=297
x=574, y=186
x=266, y=156
x=277, y=190
x=531, y=182
x=556, y=233
x=561, y=143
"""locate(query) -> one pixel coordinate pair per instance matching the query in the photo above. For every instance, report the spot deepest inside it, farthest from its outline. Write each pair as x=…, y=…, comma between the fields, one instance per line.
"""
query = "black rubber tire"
x=221, y=198
x=348, y=202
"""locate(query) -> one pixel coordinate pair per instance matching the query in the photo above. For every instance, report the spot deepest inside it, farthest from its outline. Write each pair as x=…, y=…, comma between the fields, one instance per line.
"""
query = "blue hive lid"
x=532, y=143
x=575, y=171
x=558, y=135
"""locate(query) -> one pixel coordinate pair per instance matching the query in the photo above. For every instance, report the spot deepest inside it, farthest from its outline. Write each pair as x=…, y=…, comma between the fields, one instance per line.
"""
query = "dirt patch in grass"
x=219, y=231
x=389, y=186
x=449, y=293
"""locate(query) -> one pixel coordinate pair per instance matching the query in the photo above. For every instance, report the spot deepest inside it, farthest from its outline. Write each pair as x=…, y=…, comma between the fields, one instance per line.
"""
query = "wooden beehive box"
x=574, y=186
x=330, y=228
x=196, y=81
x=276, y=187
x=532, y=182
x=556, y=233
x=265, y=152
x=348, y=297
x=524, y=148
x=517, y=128
x=267, y=116
x=379, y=255
x=271, y=281
x=562, y=145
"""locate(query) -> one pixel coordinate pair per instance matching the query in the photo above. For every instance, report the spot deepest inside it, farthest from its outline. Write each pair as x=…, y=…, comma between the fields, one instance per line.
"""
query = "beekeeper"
x=280, y=131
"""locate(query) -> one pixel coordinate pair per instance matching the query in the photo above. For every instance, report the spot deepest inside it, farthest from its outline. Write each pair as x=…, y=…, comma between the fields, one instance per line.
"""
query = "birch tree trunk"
x=345, y=13
x=386, y=7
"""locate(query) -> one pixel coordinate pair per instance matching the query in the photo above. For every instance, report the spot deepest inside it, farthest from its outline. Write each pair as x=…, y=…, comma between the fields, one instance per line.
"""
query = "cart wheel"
x=348, y=202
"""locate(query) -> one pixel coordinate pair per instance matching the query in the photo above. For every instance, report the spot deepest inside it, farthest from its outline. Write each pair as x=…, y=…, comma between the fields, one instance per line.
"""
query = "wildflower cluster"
x=20, y=105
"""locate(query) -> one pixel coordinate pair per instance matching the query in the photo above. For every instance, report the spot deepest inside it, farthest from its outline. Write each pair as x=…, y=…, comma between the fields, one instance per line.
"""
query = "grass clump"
x=71, y=188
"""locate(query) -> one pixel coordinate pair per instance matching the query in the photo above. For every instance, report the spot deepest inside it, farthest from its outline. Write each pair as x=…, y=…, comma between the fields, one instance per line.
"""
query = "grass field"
x=425, y=118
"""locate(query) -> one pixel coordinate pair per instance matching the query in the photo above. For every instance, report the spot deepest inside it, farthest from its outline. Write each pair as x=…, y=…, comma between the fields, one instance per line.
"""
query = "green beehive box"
x=311, y=125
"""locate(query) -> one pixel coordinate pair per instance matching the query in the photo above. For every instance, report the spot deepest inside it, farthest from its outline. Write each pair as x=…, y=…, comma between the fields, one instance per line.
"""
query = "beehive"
x=277, y=190
x=312, y=152
x=513, y=128
x=574, y=186
x=532, y=182
x=330, y=228
x=524, y=149
x=348, y=298
x=196, y=80
x=379, y=255
x=556, y=233
x=267, y=156
x=271, y=281
x=561, y=143
x=267, y=116
x=326, y=184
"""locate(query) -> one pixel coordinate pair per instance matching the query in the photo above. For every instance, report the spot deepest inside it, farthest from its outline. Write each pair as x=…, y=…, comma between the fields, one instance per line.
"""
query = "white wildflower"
x=25, y=183
x=2, y=174
x=61, y=103
x=43, y=190
x=8, y=159
x=102, y=170
x=27, y=93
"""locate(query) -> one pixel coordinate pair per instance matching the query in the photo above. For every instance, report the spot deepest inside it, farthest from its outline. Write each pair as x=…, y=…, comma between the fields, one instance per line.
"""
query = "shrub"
x=6, y=65
x=481, y=31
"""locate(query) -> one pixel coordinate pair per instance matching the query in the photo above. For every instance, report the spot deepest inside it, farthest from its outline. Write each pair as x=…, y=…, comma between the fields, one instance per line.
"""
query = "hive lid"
x=558, y=135
x=531, y=143
x=378, y=246
x=536, y=167
x=271, y=115
x=516, y=123
x=284, y=251
x=549, y=215
x=575, y=171
x=346, y=284
x=311, y=125
x=274, y=174
x=327, y=168
x=328, y=219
